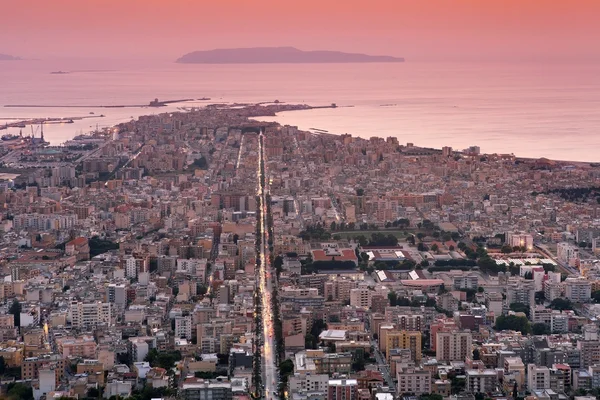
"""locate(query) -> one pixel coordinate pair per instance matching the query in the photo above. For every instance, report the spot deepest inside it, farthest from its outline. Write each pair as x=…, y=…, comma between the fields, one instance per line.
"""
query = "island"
x=8, y=57
x=278, y=55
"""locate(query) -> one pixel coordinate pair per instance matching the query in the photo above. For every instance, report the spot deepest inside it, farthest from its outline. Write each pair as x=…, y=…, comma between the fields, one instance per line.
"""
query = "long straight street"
x=269, y=359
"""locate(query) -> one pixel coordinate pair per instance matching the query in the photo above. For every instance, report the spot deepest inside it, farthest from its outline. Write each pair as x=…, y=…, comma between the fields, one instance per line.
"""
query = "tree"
x=561, y=304
x=2, y=365
x=393, y=298
x=364, y=257
x=15, y=310
x=19, y=391
x=435, y=247
x=540, y=329
x=93, y=393
x=476, y=355
x=513, y=322
x=422, y=247
x=310, y=342
x=236, y=237
x=596, y=296
x=333, y=226
x=520, y=307
x=318, y=326
x=480, y=289
x=201, y=163
x=360, y=192
x=506, y=249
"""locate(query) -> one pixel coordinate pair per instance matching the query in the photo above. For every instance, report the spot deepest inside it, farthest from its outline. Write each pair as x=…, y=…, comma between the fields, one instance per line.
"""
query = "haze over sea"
x=529, y=109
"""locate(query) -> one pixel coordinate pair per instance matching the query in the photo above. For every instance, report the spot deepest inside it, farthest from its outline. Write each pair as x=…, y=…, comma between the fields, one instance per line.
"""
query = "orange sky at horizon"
x=415, y=29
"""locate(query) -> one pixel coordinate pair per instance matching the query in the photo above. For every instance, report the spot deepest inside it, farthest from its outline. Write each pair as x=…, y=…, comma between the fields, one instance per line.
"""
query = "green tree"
x=561, y=304
x=520, y=307
x=596, y=296
x=360, y=192
x=435, y=247
x=476, y=355
x=15, y=309
x=540, y=328
x=19, y=391
x=513, y=322
x=393, y=298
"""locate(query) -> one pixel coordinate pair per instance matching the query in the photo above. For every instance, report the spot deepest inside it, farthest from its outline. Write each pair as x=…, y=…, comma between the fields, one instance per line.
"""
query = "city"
x=204, y=254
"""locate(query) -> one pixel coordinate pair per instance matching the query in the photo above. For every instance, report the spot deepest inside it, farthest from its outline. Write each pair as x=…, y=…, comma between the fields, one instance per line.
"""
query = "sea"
x=527, y=109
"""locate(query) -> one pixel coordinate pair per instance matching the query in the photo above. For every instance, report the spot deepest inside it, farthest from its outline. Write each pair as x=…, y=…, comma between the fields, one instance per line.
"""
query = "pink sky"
x=415, y=29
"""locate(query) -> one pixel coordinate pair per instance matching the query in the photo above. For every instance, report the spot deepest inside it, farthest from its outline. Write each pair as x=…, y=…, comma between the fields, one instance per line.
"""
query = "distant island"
x=278, y=55
x=7, y=57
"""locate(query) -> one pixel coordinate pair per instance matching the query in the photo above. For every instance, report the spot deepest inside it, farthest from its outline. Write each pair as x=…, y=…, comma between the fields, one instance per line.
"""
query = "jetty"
x=153, y=103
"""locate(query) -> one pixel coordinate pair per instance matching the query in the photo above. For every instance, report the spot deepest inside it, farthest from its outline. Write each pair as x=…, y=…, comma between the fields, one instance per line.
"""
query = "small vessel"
x=58, y=72
x=91, y=113
x=9, y=137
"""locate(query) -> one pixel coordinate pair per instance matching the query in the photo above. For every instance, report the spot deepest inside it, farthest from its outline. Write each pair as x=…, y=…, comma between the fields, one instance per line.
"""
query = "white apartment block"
x=308, y=383
x=567, y=253
x=44, y=222
x=183, y=327
x=578, y=290
x=466, y=281
x=90, y=314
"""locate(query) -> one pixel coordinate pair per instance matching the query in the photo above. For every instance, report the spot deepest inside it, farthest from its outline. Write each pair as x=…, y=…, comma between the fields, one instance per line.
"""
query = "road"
x=269, y=359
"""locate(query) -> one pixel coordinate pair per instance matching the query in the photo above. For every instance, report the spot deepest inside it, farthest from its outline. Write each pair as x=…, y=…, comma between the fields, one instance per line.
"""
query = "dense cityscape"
x=203, y=254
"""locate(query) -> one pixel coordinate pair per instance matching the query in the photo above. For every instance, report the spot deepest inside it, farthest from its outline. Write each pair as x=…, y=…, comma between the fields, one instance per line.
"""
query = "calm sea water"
x=533, y=110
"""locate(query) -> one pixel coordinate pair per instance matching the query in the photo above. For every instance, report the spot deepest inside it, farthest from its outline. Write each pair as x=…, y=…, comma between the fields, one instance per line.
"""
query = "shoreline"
x=332, y=132
x=286, y=107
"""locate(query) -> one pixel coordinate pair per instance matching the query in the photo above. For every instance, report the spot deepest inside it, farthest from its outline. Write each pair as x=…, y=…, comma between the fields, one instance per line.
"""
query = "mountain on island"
x=278, y=55
x=6, y=57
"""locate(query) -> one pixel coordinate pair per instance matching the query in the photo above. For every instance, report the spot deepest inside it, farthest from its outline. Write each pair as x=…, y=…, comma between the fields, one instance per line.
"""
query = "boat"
x=58, y=72
x=9, y=137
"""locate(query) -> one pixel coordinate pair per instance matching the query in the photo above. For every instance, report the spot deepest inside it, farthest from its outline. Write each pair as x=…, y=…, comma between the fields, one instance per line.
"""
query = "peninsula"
x=278, y=55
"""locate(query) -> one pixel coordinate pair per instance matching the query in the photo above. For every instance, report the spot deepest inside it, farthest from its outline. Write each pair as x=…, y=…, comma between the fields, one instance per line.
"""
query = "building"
x=578, y=290
x=519, y=239
x=342, y=389
x=412, y=380
x=453, y=345
x=481, y=381
x=317, y=383
x=567, y=253
x=31, y=366
x=86, y=315
x=183, y=327
x=360, y=297
x=404, y=340
x=521, y=291
x=79, y=248
x=466, y=281
x=116, y=294
x=200, y=389
x=538, y=378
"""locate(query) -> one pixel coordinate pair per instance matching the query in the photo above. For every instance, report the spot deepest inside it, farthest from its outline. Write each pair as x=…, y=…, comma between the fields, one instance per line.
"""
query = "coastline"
x=273, y=117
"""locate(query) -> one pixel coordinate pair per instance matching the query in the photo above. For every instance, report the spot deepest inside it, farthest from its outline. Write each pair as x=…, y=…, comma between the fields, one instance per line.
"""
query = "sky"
x=450, y=30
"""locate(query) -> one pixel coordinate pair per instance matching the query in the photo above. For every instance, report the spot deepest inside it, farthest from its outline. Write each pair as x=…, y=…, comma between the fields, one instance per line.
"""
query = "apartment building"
x=412, y=380
x=404, y=340
x=85, y=315
x=453, y=345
